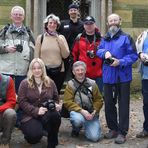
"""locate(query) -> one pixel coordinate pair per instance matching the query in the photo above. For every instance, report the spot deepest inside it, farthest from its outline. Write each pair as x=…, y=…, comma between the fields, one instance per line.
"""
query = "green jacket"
x=70, y=96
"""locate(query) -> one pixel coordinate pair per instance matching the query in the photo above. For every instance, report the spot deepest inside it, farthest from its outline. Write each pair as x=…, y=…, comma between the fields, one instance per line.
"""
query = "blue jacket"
x=122, y=47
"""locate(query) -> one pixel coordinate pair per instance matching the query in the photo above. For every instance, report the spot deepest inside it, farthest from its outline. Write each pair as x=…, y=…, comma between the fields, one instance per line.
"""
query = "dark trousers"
x=58, y=79
x=33, y=129
x=145, y=103
x=118, y=121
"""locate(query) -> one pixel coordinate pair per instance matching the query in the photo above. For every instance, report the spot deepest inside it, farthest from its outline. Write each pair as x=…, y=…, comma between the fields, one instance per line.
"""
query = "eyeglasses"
x=17, y=14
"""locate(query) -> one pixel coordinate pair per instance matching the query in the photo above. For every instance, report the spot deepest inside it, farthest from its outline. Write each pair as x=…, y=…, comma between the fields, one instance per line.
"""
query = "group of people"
x=32, y=72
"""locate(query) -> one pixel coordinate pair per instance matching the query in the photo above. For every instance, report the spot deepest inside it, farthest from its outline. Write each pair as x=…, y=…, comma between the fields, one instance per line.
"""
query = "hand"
x=115, y=63
x=42, y=111
x=142, y=57
x=108, y=55
x=10, y=49
x=93, y=113
x=59, y=39
x=86, y=114
x=58, y=107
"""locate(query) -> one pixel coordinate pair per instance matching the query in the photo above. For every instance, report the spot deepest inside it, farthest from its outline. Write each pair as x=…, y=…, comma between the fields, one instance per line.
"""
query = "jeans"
x=92, y=128
x=145, y=103
x=7, y=122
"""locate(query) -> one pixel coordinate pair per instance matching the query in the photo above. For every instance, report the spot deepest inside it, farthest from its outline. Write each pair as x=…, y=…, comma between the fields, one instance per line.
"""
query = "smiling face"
x=52, y=25
x=37, y=70
x=73, y=13
x=17, y=16
x=79, y=72
x=114, y=20
x=90, y=28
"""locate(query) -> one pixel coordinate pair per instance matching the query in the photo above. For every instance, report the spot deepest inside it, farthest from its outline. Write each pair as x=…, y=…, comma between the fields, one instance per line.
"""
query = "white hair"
x=18, y=7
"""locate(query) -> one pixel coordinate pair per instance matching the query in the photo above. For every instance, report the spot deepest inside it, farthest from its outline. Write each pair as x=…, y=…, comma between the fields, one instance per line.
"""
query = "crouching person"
x=38, y=98
x=82, y=98
x=7, y=112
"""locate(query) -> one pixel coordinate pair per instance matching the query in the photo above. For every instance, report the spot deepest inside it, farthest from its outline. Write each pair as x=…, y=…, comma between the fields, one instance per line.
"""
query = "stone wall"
x=5, y=8
x=134, y=15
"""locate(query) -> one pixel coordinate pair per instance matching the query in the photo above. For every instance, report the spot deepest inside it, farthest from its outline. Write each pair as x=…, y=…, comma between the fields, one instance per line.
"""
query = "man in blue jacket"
x=118, y=51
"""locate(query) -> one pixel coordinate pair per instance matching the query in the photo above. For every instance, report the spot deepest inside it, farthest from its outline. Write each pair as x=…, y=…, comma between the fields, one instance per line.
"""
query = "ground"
x=66, y=141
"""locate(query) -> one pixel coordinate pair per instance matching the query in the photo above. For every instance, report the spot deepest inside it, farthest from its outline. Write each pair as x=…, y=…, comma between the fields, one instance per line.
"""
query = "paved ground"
x=66, y=141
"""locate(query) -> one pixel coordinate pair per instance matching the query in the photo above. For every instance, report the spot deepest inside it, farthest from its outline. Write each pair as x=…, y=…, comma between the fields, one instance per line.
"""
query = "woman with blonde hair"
x=38, y=98
x=52, y=48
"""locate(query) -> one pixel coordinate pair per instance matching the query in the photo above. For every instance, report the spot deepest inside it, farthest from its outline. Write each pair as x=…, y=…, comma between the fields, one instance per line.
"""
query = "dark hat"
x=89, y=20
x=73, y=6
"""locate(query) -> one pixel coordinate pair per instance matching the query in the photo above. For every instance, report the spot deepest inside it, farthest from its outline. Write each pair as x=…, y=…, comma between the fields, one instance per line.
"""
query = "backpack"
x=3, y=88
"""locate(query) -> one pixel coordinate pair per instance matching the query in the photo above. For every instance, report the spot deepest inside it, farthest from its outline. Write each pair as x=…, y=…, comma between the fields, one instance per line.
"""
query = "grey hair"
x=114, y=14
x=18, y=7
x=78, y=63
x=54, y=17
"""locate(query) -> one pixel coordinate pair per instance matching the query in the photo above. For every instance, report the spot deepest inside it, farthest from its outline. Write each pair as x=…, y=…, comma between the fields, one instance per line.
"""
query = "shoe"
x=142, y=134
x=120, y=139
x=111, y=134
x=74, y=133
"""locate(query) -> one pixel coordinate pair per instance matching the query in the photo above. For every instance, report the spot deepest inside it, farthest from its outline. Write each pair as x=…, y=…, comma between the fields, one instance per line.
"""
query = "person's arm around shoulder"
x=10, y=97
x=63, y=46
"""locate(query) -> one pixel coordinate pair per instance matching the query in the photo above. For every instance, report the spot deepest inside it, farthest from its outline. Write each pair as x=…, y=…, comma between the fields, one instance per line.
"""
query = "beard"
x=113, y=29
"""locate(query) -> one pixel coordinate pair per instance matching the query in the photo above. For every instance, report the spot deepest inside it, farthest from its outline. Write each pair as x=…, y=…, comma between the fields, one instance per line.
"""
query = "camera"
x=146, y=60
x=19, y=47
x=109, y=61
x=91, y=54
x=89, y=109
x=50, y=105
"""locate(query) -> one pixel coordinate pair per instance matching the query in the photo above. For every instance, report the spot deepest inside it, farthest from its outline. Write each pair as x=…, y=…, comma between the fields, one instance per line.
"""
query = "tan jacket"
x=52, y=50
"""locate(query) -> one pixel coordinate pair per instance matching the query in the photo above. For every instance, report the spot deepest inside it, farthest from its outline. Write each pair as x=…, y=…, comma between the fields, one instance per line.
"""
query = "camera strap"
x=78, y=89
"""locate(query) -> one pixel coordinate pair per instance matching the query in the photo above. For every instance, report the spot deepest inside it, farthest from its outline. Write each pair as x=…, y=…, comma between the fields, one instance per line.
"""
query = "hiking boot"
x=111, y=134
x=74, y=133
x=142, y=134
x=120, y=139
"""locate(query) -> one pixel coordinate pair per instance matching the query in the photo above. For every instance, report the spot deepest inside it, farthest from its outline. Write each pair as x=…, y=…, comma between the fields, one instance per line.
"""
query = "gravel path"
x=66, y=141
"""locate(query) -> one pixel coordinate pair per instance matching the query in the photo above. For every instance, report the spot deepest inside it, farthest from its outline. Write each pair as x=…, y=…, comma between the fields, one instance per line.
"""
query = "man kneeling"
x=82, y=98
x=7, y=112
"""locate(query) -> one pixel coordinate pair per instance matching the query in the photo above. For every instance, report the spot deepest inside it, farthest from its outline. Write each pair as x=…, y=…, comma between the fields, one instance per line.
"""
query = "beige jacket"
x=52, y=50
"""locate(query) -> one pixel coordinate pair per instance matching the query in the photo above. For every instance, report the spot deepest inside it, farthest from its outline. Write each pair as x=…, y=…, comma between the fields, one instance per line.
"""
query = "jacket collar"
x=108, y=37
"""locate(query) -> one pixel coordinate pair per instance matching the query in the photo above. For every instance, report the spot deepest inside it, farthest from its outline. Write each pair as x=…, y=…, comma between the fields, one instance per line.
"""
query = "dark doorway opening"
x=60, y=8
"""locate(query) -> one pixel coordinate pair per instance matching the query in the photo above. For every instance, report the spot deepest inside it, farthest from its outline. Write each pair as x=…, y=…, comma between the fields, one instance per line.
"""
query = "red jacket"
x=10, y=96
x=79, y=52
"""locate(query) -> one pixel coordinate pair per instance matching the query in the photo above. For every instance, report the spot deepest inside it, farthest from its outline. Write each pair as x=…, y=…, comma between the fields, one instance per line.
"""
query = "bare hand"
x=93, y=113
x=86, y=114
x=10, y=49
x=115, y=63
x=58, y=106
x=42, y=111
x=108, y=55
x=142, y=57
